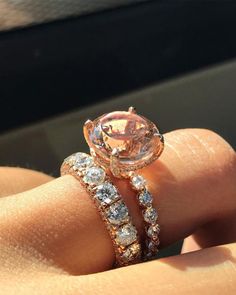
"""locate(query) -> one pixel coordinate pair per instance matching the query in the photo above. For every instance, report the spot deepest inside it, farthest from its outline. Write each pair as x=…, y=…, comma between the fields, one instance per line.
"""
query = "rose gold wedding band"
x=150, y=216
x=110, y=205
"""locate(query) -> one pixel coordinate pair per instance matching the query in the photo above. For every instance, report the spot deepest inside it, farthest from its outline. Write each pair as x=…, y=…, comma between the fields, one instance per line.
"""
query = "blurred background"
x=63, y=61
x=61, y=55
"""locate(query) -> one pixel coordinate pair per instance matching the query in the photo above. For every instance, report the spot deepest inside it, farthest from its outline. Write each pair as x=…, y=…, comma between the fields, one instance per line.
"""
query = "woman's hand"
x=51, y=234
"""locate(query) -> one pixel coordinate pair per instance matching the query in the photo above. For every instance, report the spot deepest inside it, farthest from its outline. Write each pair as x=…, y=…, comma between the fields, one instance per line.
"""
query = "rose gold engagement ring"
x=121, y=143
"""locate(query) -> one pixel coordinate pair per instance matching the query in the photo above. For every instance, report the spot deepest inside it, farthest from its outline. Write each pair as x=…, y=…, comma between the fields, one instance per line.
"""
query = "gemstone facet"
x=153, y=231
x=150, y=215
x=82, y=161
x=135, y=138
x=117, y=213
x=152, y=246
x=70, y=160
x=94, y=176
x=126, y=235
x=106, y=193
x=145, y=198
x=138, y=182
x=131, y=252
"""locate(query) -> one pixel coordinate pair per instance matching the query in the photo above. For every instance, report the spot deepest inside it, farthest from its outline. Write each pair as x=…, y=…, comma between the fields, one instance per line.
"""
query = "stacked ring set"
x=120, y=143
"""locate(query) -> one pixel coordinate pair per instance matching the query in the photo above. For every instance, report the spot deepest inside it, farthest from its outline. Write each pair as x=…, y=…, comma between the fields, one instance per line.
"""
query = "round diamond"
x=150, y=215
x=117, y=213
x=96, y=136
x=152, y=246
x=82, y=161
x=106, y=193
x=70, y=160
x=94, y=176
x=132, y=252
x=153, y=231
x=149, y=255
x=145, y=198
x=126, y=235
x=138, y=182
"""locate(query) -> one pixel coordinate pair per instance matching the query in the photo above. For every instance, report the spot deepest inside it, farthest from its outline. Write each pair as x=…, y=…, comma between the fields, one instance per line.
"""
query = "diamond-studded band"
x=111, y=207
x=149, y=213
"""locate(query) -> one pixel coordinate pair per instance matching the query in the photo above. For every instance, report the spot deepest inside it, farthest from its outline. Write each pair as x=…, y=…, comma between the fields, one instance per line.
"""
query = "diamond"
x=70, y=160
x=150, y=215
x=153, y=231
x=96, y=136
x=152, y=246
x=118, y=213
x=138, y=182
x=131, y=252
x=126, y=235
x=106, y=193
x=82, y=161
x=94, y=176
x=145, y=198
x=149, y=255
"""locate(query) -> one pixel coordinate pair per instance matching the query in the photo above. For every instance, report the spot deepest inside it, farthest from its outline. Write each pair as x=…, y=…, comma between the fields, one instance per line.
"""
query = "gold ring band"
x=110, y=205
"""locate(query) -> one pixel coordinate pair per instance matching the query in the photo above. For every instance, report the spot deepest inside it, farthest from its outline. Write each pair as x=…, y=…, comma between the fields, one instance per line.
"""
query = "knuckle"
x=206, y=152
x=212, y=155
x=216, y=148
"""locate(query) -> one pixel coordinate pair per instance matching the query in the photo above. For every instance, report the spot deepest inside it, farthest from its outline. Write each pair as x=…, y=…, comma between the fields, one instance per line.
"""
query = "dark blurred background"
x=57, y=56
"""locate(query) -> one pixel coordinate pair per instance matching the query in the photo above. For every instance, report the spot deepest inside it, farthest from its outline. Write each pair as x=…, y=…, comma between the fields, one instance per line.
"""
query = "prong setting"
x=132, y=110
x=114, y=159
x=88, y=123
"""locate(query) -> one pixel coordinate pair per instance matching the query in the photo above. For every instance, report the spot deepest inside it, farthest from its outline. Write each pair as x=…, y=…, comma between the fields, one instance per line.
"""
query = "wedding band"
x=150, y=216
x=124, y=142
x=110, y=205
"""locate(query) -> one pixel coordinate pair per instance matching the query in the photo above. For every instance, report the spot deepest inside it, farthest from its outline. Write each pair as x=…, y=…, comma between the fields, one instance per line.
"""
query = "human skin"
x=53, y=241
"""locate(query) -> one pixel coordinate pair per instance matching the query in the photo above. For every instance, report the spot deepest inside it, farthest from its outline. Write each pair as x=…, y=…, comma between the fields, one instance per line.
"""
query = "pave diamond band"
x=112, y=208
x=121, y=143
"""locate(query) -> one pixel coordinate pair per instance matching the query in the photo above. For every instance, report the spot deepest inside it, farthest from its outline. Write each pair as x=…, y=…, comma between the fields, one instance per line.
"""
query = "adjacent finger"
x=208, y=271
x=59, y=221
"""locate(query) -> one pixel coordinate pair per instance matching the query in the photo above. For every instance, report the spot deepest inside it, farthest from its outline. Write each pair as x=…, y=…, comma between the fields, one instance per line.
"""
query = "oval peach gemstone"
x=132, y=135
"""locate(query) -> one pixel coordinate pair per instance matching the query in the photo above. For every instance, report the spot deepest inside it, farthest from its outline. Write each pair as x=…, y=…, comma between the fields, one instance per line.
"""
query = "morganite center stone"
x=135, y=138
